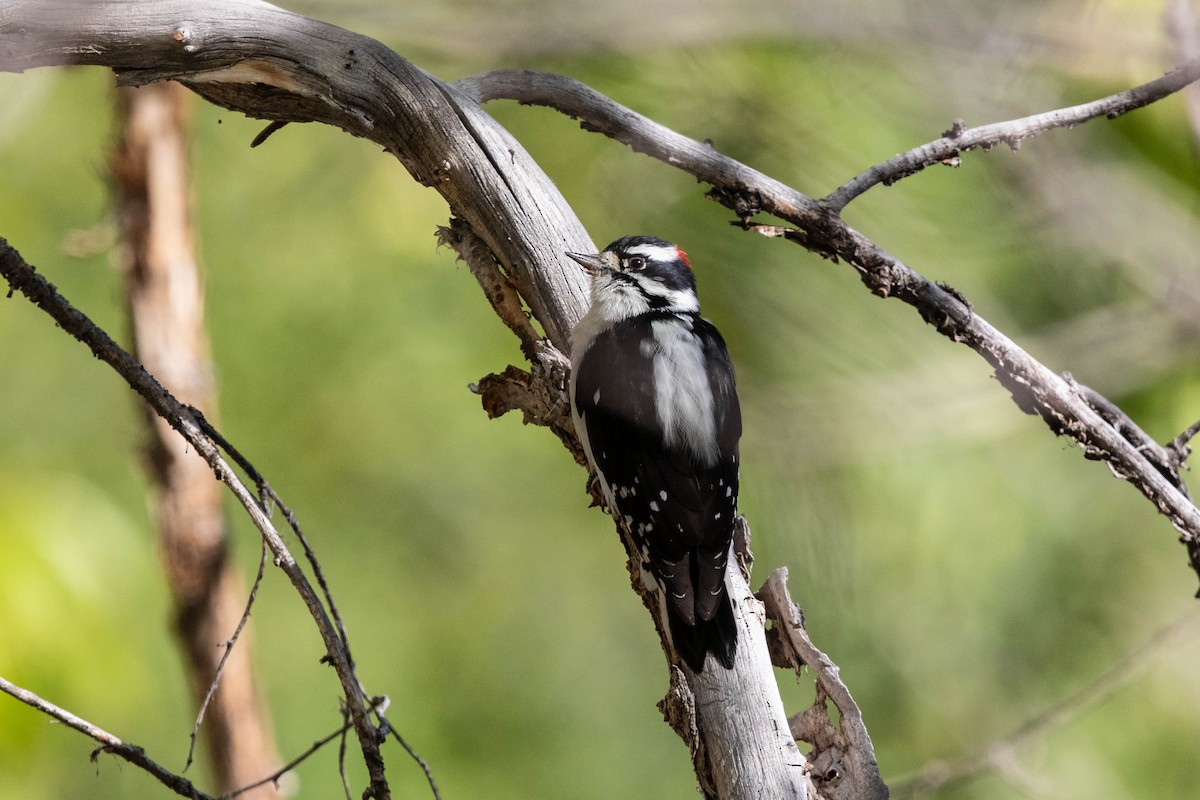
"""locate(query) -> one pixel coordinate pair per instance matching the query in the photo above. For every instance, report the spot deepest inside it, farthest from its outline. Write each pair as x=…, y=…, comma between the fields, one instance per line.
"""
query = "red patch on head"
x=683, y=257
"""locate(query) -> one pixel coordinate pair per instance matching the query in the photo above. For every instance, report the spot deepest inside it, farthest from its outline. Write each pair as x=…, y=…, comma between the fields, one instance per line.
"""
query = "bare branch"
x=422, y=763
x=187, y=421
x=227, y=649
x=108, y=742
x=539, y=394
x=1035, y=388
x=960, y=139
x=311, y=556
x=744, y=189
x=342, y=763
x=1179, y=445
x=268, y=497
x=843, y=758
x=274, y=777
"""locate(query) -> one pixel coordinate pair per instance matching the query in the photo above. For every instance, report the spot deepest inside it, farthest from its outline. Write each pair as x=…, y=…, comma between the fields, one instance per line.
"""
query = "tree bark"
x=166, y=306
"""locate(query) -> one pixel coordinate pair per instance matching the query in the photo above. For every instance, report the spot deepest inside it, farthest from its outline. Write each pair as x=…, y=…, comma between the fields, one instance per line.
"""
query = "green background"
x=966, y=569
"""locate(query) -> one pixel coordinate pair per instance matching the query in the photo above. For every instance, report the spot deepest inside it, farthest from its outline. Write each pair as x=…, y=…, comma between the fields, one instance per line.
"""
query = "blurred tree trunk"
x=166, y=307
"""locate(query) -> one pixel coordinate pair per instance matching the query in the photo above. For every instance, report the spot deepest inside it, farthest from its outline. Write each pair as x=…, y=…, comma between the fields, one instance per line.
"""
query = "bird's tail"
x=717, y=636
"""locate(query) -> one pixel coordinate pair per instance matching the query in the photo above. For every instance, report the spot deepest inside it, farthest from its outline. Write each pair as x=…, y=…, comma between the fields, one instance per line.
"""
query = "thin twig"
x=228, y=649
x=942, y=774
x=23, y=278
x=318, y=573
x=347, y=725
x=1180, y=443
x=424, y=765
x=960, y=139
x=108, y=742
x=342, y=759
x=268, y=497
x=251, y=472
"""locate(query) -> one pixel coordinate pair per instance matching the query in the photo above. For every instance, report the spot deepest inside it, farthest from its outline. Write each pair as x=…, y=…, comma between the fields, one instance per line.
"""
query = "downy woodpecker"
x=653, y=401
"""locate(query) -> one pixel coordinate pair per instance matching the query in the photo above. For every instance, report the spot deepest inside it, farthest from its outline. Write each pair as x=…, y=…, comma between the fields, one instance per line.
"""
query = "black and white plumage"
x=655, y=407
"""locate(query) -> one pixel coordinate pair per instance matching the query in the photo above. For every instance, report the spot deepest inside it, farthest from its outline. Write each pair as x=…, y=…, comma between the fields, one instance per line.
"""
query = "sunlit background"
x=967, y=570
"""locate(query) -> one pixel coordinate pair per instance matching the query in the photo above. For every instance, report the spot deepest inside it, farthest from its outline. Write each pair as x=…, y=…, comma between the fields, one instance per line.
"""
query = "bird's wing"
x=681, y=511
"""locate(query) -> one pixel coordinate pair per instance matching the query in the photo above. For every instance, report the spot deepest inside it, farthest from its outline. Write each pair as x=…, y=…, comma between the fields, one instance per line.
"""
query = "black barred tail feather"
x=717, y=636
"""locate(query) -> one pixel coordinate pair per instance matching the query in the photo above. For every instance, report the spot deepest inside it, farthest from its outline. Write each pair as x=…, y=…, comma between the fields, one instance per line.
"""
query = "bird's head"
x=636, y=274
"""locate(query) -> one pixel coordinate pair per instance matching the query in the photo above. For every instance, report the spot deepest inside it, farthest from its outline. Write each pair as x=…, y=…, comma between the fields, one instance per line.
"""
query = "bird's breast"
x=683, y=397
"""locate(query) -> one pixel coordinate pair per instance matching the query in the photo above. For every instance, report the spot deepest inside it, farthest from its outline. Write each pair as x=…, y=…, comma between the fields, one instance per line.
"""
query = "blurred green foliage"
x=965, y=569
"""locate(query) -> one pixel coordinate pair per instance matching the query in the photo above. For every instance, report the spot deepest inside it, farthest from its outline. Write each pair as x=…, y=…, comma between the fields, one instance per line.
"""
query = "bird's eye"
x=636, y=264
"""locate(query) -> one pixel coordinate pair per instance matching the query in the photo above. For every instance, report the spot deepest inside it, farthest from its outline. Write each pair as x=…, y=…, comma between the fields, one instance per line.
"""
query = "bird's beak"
x=593, y=263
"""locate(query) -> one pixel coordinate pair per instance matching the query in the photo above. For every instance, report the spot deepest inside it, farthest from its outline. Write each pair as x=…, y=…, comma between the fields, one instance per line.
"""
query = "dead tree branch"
x=1035, y=388
x=187, y=421
x=108, y=742
x=227, y=649
x=960, y=139
x=843, y=757
x=273, y=779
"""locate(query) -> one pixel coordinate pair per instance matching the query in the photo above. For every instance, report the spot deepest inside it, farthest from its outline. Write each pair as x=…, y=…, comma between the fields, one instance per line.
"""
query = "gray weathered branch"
x=1035, y=388
x=190, y=424
x=960, y=139
x=108, y=742
x=843, y=757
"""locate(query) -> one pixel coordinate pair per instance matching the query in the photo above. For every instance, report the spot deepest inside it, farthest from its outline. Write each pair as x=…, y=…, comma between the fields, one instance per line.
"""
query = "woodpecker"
x=654, y=405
